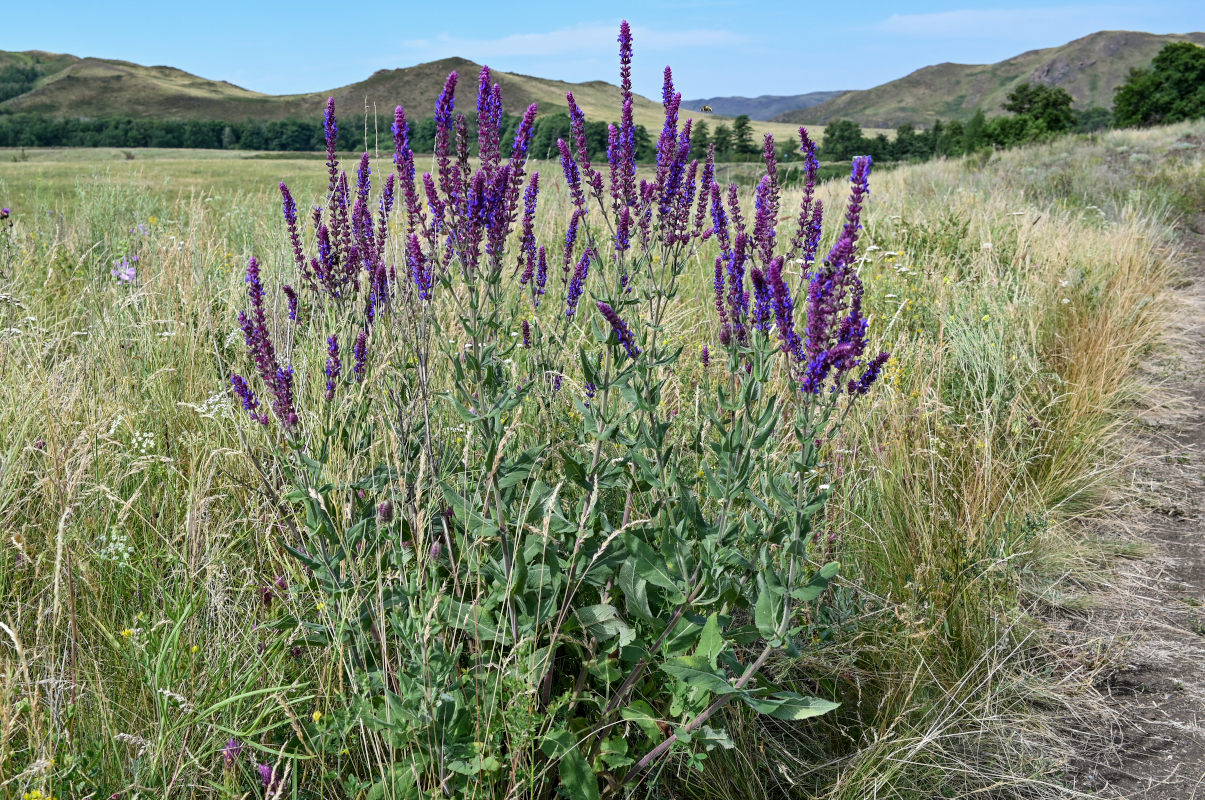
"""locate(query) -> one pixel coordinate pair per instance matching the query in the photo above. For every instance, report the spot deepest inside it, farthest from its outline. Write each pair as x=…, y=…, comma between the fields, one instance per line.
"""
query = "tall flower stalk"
x=551, y=518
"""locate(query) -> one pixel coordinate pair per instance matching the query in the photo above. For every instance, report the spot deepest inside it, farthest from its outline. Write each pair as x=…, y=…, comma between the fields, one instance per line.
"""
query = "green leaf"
x=789, y=706
x=398, y=783
x=614, y=752
x=712, y=738
x=696, y=672
x=641, y=713
x=603, y=622
x=577, y=779
x=765, y=612
x=650, y=566
x=635, y=591
x=711, y=641
x=819, y=582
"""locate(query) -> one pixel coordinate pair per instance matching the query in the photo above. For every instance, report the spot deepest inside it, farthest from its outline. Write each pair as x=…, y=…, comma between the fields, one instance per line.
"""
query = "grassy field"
x=1017, y=293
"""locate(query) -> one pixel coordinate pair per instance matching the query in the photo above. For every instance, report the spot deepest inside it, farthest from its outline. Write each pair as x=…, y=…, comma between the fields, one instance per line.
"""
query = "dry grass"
x=997, y=427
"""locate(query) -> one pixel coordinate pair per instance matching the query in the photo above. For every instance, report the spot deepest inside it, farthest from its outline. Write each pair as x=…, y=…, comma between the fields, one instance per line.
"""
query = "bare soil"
x=1156, y=697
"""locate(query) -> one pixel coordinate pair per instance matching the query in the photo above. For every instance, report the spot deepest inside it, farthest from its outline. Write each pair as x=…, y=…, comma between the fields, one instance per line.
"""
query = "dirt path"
x=1158, y=696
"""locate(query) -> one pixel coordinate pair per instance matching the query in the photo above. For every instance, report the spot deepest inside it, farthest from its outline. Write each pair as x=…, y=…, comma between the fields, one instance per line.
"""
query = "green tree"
x=699, y=139
x=723, y=141
x=951, y=141
x=975, y=135
x=742, y=136
x=1050, y=105
x=789, y=150
x=842, y=141
x=1093, y=119
x=1172, y=90
x=545, y=132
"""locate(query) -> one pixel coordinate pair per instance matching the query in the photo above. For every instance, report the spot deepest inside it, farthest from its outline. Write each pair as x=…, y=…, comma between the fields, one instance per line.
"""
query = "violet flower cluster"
x=458, y=222
x=828, y=355
x=277, y=379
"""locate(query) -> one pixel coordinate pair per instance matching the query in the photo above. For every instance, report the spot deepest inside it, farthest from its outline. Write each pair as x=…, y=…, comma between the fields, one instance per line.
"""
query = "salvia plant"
x=531, y=572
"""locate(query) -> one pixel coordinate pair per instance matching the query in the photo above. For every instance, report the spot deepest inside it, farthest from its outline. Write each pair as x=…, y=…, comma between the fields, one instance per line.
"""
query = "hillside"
x=763, y=107
x=68, y=86
x=1089, y=68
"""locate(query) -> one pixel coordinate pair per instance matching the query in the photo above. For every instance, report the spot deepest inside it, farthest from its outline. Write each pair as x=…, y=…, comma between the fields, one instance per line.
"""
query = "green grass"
x=1017, y=294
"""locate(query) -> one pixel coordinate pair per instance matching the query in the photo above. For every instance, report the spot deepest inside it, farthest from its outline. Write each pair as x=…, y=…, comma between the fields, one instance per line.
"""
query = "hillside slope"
x=763, y=107
x=96, y=87
x=1089, y=68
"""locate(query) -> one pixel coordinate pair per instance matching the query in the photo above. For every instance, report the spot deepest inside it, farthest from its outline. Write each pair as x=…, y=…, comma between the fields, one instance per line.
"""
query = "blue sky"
x=716, y=47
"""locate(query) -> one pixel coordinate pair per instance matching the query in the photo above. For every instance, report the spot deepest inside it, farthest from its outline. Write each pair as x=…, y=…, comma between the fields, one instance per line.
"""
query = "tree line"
x=32, y=130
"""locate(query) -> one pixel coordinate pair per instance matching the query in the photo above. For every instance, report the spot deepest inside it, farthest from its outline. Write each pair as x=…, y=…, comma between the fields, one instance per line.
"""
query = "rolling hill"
x=1089, y=68
x=763, y=107
x=67, y=86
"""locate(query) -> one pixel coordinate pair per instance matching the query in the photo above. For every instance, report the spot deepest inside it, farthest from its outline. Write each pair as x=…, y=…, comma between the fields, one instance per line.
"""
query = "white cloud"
x=582, y=40
x=1008, y=23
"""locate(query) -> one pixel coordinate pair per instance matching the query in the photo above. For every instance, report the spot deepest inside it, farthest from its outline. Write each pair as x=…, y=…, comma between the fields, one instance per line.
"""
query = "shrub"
x=532, y=570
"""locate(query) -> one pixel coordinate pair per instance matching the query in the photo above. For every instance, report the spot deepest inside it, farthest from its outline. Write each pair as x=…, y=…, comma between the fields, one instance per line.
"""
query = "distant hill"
x=1089, y=69
x=70, y=87
x=763, y=107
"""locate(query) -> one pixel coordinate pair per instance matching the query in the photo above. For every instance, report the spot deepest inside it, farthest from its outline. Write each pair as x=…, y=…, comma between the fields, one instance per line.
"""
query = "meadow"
x=164, y=634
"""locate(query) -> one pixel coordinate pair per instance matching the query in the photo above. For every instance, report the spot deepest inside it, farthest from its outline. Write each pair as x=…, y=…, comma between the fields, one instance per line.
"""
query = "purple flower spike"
x=570, y=243
x=573, y=175
x=784, y=307
x=231, y=752
x=811, y=212
x=762, y=301
x=765, y=217
x=523, y=134
x=333, y=366
x=489, y=117
x=719, y=218
x=330, y=128
x=625, y=57
x=527, y=245
x=705, y=357
x=449, y=178
x=420, y=270
x=873, y=370
x=846, y=248
x=268, y=776
x=290, y=213
x=360, y=355
x=291, y=296
x=720, y=306
x=245, y=394
x=622, y=332
x=526, y=326
x=623, y=161
x=623, y=230
x=541, y=274
x=577, y=125
x=578, y=285
x=254, y=323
